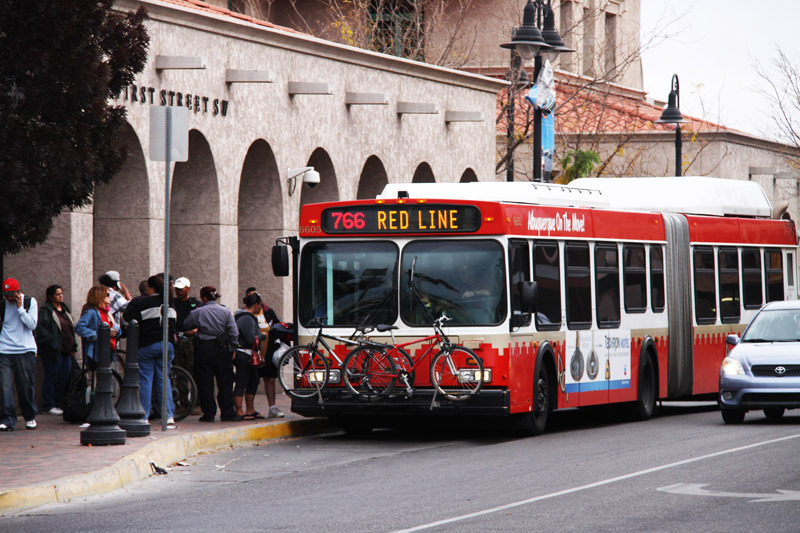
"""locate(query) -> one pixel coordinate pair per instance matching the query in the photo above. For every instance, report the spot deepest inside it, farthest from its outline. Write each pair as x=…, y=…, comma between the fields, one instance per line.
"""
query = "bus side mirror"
x=280, y=260
x=528, y=296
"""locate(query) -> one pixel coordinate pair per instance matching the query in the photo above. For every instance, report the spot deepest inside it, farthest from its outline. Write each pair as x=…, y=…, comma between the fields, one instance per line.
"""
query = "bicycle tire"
x=184, y=392
x=80, y=382
x=298, y=372
x=369, y=371
x=450, y=384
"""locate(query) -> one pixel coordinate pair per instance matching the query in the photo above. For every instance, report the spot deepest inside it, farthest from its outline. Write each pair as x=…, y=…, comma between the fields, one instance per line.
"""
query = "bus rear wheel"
x=645, y=404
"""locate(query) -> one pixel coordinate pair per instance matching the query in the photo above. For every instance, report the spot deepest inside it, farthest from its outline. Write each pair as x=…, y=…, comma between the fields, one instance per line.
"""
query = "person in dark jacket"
x=217, y=338
x=246, y=382
x=55, y=338
x=147, y=311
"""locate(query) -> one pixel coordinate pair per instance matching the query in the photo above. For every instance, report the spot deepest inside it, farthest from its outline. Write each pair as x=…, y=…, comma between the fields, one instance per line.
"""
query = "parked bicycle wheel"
x=88, y=379
x=303, y=372
x=369, y=371
x=184, y=392
x=457, y=373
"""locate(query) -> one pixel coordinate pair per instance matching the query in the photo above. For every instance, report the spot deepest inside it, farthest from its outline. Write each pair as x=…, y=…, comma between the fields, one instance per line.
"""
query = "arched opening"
x=373, y=179
x=121, y=212
x=327, y=190
x=260, y=222
x=423, y=174
x=468, y=176
x=195, y=217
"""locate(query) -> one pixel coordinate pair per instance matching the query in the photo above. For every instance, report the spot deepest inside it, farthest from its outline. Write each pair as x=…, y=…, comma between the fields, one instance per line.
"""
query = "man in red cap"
x=18, y=317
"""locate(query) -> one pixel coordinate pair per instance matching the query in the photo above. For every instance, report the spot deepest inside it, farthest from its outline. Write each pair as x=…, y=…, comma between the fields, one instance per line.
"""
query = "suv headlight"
x=732, y=367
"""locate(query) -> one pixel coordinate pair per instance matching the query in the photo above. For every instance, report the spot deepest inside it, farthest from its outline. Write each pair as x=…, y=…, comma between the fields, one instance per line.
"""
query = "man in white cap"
x=117, y=291
x=184, y=304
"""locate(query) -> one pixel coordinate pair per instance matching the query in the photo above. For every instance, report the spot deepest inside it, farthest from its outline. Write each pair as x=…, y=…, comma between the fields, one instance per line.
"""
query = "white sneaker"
x=170, y=421
x=30, y=424
x=4, y=427
x=274, y=412
x=55, y=411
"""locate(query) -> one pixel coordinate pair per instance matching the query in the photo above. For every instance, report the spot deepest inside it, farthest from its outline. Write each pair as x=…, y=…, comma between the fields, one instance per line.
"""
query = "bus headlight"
x=316, y=377
x=473, y=375
x=334, y=376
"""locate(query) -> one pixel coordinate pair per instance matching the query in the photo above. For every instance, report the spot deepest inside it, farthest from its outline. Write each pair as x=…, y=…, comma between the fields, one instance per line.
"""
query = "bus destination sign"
x=402, y=218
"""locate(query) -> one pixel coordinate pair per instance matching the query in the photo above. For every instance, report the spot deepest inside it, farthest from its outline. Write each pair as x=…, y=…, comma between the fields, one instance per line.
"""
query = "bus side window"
x=635, y=278
x=704, y=291
x=578, y=282
x=606, y=274
x=752, y=293
x=729, y=310
x=773, y=274
x=519, y=266
x=547, y=275
x=657, y=278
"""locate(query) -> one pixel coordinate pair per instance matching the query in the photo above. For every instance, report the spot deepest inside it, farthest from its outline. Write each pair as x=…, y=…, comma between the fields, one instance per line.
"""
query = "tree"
x=577, y=164
x=781, y=79
x=62, y=60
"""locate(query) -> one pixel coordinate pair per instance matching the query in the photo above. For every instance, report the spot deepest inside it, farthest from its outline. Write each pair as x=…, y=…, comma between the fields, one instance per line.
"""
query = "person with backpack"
x=246, y=380
x=18, y=319
x=55, y=337
x=267, y=317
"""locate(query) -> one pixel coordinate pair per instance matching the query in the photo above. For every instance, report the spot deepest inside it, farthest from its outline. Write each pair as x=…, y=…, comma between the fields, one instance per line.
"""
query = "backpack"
x=26, y=303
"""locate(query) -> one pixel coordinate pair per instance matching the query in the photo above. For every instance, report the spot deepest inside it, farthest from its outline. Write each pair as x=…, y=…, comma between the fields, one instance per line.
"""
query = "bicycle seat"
x=385, y=327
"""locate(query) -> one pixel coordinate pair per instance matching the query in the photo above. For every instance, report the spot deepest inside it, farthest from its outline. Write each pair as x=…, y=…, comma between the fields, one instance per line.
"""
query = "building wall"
x=231, y=199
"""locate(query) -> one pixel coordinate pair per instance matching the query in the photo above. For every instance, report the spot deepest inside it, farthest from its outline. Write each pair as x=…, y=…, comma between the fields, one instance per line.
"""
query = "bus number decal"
x=426, y=218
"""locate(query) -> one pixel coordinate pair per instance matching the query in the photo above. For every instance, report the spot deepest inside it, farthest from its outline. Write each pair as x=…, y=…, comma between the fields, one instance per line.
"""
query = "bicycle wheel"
x=303, y=372
x=369, y=371
x=457, y=373
x=184, y=392
x=404, y=363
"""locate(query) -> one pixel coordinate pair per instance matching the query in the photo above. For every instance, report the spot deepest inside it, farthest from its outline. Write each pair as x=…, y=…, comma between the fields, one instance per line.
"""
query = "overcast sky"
x=713, y=49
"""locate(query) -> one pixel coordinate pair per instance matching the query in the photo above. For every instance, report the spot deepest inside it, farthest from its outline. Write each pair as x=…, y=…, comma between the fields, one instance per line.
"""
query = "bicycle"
x=303, y=371
x=372, y=370
x=85, y=382
x=183, y=386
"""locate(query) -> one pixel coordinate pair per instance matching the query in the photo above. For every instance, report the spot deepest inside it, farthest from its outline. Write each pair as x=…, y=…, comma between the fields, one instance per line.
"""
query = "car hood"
x=760, y=353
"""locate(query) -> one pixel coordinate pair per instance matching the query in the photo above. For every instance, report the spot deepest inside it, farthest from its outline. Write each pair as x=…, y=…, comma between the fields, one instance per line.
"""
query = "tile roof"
x=205, y=7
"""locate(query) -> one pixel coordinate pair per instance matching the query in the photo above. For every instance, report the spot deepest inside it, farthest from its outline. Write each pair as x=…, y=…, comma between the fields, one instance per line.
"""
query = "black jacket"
x=48, y=329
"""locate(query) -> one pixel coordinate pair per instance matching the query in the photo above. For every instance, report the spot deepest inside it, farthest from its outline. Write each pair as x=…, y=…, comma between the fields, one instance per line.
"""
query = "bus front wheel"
x=534, y=422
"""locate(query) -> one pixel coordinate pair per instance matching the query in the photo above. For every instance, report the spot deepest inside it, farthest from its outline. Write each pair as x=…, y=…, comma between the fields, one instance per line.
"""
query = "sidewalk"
x=50, y=465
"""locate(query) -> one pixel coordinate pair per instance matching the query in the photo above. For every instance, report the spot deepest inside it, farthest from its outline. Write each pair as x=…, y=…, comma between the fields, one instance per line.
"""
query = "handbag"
x=256, y=359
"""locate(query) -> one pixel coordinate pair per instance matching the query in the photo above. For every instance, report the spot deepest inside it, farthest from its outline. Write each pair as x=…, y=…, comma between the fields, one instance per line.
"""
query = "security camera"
x=311, y=178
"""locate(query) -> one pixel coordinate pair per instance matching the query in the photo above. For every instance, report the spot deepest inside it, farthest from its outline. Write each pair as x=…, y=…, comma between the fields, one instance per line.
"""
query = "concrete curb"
x=136, y=466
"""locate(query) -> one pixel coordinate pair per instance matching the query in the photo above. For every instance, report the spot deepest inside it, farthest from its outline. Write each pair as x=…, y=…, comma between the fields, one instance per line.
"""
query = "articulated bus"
x=607, y=291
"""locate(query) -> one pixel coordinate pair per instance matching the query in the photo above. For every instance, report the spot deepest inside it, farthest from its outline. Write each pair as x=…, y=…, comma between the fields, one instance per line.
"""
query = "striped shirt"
x=146, y=310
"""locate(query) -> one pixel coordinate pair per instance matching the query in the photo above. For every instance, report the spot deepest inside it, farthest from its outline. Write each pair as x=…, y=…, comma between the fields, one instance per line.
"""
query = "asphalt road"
x=681, y=471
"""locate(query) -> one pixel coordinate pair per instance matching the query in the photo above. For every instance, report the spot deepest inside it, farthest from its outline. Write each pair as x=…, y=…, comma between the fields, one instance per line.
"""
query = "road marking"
x=696, y=489
x=593, y=485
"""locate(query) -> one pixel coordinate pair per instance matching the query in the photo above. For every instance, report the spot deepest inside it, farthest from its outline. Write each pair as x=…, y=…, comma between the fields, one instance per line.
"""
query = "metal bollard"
x=133, y=419
x=103, y=419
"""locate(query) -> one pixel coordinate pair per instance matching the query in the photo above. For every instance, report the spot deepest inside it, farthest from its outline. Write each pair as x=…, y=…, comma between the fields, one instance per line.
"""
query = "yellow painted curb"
x=163, y=452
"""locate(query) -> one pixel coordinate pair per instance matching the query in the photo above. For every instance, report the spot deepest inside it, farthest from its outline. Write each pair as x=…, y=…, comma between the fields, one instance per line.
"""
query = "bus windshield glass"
x=465, y=279
x=348, y=283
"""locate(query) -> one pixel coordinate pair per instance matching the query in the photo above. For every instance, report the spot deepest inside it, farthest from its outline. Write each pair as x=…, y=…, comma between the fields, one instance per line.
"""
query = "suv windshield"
x=463, y=279
x=779, y=325
x=348, y=283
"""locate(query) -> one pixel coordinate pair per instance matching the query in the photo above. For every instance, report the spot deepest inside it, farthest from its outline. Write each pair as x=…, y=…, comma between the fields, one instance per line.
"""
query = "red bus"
x=637, y=281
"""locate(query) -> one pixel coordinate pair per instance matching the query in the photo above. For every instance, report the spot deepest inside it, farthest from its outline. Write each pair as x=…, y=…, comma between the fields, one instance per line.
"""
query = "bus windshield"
x=463, y=279
x=348, y=283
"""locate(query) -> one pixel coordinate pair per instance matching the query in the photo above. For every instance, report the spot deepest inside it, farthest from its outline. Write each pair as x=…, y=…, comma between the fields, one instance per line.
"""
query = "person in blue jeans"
x=147, y=311
x=55, y=337
x=18, y=319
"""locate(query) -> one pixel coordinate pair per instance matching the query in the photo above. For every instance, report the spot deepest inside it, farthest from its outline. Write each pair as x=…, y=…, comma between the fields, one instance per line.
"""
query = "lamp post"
x=530, y=42
x=672, y=115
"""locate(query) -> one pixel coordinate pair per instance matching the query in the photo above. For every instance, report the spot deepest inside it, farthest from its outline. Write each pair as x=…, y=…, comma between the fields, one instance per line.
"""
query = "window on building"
x=588, y=42
x=579, y=292
x=705, y=294
x=773, y=274
x=606, y=272
x=547, y=275
x=397, y=28
x=729, y=312
x=635, y=278
x=611, y=43
x=566, y=61
x=657, y=278
x=751, y=278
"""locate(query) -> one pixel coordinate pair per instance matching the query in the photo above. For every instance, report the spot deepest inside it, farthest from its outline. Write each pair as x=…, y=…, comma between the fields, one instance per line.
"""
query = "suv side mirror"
x=280, y=260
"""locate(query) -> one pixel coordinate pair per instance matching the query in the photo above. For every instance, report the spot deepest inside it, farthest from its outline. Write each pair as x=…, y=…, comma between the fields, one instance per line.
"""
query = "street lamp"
x=530, y=42
x=672, y=115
